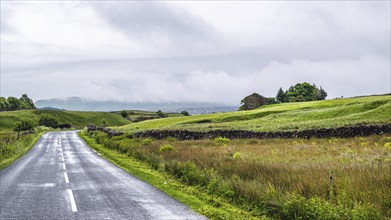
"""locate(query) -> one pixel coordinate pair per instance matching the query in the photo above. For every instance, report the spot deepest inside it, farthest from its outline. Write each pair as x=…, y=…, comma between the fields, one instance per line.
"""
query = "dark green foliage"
x=281, y=96
x=185, y=113
x=301, y=92
x=322, y=94
x=242, y=105
x=23, y=125
x=272, y=100
x=4, y=105
x=124, y=114
x=161, y=114
x=26, y=102
x=13, y=103
x=48, y=121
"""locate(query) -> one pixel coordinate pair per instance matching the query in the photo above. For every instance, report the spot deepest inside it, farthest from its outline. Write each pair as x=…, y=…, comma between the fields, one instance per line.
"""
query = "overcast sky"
x=192, y=51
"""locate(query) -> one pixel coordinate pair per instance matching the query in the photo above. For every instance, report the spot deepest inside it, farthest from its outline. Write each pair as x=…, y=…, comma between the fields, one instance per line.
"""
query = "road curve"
x=62, y=178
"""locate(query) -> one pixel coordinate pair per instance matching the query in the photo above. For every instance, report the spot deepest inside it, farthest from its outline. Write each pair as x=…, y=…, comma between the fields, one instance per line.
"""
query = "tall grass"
x=11, y=147
x=316, y=178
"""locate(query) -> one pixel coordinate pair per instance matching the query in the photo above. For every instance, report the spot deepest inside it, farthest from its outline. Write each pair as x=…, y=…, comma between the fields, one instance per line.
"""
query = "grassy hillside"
x=75, y=118
x=283, y=117
x=135, y=115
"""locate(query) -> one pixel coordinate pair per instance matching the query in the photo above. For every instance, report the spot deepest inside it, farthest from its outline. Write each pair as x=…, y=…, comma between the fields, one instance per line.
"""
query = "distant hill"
x=84, y=104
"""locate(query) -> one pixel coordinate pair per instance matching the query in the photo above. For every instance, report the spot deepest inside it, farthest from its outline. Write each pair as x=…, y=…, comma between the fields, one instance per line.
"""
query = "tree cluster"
x=13, y=103
x=161, y=114
x=301, y=92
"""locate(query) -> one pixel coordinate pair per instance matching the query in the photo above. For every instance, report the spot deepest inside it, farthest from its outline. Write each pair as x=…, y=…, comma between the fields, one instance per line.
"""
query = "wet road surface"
x=62, y=178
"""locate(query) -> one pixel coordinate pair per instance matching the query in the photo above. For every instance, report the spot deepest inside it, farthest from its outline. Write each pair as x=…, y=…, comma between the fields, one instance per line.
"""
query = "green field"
x=283, y=117
x=279, y=178
x=134, y=115
x=75, y=118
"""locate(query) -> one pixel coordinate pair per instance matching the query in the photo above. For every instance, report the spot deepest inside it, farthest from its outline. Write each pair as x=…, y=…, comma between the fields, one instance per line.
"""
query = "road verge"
x=203, y=203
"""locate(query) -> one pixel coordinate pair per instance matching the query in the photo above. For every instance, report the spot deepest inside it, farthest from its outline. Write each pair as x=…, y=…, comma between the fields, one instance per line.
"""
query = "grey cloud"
x=124, y=81
x=344, y=48
x=147, y=19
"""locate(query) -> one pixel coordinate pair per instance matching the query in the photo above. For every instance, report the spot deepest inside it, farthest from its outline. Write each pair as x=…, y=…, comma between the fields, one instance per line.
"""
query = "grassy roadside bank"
x=209, y=205
x=14, y=149
x=329, y=178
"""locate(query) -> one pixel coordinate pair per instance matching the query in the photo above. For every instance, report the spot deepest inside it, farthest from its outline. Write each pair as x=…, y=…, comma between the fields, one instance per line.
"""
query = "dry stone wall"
x=342, y=132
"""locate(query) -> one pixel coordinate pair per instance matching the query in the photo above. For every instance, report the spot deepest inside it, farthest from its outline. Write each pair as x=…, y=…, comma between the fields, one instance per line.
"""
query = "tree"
x=14, y=103
x=281, y=96
x=124, y=114
x=23, y=125
x=272, y=100
x=243, y=105
x=4, y=105
x=26, y=102
x=161, y=114
x=48, y=121
x=302, y=92
x=185, y=113
x=322, y=94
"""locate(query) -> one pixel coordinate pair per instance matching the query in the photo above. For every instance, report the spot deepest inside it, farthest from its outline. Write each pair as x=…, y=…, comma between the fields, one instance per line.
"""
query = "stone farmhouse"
x=253, y=101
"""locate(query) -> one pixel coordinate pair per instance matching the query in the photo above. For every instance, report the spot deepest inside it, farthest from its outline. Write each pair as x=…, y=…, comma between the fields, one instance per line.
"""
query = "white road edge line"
x=66, y=177
x=64, y=167
x=73, y=202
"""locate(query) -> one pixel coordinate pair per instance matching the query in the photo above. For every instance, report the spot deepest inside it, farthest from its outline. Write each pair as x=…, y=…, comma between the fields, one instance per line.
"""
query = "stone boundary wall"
x=341, y=132
x=109, y=131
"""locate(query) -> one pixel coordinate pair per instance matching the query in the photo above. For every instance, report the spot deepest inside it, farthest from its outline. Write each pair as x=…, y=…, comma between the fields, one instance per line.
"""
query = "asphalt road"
x=62, y=178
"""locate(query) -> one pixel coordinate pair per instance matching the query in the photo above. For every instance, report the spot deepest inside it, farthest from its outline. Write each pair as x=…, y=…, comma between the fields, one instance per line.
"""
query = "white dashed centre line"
x=64, y=167
x=73, y=202
x=62, y=159
x=66, y=177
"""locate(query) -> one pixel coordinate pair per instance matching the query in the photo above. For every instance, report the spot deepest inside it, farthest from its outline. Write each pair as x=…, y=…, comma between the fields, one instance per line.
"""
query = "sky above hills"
x=192, y=51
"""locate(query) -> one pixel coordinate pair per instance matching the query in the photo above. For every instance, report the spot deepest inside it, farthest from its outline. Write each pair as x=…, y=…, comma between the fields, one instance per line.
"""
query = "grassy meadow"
x=346, y=178
x=283, y=117
x=330, y=178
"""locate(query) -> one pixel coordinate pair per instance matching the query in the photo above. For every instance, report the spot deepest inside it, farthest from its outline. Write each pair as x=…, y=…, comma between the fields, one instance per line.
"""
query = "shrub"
x=185, y=113
x=124, y=114
x=237, y=155
x=167, y=148
x=222, y=140
x=161, y=114
x=23, y=125
x=147, y=141
x=48, y=121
